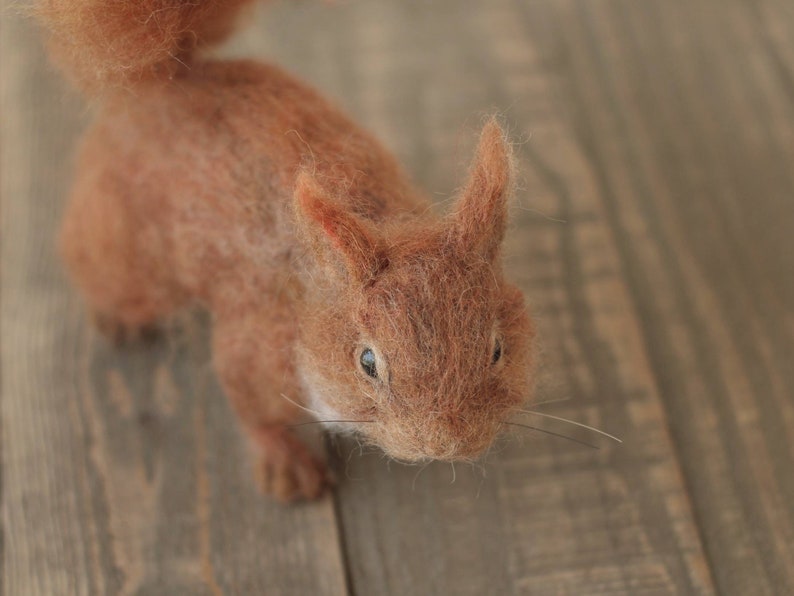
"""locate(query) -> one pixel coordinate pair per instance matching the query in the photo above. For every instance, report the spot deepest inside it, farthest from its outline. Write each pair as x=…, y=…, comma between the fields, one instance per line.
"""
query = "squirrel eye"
x=497, y=352
x=367, y=360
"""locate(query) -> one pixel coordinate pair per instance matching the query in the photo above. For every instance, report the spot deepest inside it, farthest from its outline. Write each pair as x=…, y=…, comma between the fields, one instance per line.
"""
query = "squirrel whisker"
x=304, y=408
x=550, y=401
x=329, y=421
x=549, y=432
x=580, y=424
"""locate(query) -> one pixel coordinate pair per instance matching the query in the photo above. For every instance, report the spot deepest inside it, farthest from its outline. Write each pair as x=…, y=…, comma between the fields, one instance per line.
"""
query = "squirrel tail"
x=106, y=44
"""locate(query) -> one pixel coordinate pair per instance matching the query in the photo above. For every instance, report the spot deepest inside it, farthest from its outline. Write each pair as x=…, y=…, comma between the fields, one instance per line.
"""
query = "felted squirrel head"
x=413, y=337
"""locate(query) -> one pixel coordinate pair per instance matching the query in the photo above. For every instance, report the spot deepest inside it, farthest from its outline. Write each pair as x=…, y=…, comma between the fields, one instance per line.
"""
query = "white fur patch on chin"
x=322, y=410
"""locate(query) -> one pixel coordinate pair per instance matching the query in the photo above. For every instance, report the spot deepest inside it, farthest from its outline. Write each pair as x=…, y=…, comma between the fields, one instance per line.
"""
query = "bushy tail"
x=105, y=44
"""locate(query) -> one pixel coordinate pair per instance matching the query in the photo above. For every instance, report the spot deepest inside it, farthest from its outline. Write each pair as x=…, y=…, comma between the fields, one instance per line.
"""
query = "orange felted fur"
x=331, y=282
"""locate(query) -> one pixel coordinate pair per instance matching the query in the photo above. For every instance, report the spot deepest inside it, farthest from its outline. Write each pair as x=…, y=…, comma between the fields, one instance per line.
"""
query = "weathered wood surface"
x=652, y=234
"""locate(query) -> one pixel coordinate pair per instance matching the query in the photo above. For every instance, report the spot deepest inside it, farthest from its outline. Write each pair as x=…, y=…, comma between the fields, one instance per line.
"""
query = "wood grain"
x=685, y=116
x=653, y=234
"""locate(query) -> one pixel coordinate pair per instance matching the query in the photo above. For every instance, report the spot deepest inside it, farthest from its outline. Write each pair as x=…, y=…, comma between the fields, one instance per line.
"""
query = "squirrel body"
x=333, y=286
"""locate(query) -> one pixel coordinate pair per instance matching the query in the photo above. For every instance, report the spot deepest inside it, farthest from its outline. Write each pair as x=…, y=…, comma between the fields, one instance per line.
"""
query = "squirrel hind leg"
x=125, y=278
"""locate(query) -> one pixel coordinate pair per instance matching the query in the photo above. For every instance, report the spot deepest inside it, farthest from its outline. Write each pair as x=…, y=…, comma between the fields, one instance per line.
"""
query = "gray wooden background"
x=653, y=234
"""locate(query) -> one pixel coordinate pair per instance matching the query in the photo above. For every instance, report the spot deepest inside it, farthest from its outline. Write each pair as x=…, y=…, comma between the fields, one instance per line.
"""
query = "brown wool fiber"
x=234, y=186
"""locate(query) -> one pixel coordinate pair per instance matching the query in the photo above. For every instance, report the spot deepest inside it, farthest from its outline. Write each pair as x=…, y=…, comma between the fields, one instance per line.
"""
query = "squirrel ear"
x=328, y=225
x=480, y=215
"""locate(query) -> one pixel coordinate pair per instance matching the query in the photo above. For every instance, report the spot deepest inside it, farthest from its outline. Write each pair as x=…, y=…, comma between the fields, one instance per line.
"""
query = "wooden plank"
x=549, y=516
x=123, y=471
x=684, y=112
x=659, y=133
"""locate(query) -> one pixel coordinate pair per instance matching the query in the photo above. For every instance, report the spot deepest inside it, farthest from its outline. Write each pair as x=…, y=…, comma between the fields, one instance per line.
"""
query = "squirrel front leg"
x=253, y=356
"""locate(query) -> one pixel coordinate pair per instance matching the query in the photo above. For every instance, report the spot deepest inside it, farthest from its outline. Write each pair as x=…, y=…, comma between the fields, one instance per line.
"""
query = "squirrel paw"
x=287, y=470
x=118, y=332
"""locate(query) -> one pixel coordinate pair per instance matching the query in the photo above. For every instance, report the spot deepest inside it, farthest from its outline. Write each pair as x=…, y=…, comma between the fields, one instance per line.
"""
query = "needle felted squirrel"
x=332, y=285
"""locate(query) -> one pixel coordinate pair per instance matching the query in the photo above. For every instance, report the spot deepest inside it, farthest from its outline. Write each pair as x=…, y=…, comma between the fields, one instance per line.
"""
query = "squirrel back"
x=103, y=45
